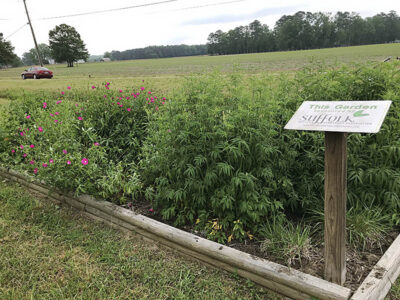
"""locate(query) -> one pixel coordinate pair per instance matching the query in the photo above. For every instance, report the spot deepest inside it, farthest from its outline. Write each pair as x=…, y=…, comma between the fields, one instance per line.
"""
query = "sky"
x=156, y=22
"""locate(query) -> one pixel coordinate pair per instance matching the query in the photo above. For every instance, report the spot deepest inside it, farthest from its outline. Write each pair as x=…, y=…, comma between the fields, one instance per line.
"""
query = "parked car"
x=37, y=73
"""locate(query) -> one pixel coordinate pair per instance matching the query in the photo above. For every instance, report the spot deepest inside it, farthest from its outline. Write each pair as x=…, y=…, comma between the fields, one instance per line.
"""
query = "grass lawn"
x=47, y=252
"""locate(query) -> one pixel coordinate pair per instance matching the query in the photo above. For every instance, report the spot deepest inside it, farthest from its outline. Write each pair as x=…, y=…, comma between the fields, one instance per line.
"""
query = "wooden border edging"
x=278, y=278
x=383, y=275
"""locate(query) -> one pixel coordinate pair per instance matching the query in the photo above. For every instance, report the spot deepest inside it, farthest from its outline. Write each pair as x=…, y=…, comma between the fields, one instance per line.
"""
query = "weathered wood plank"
x=271, y=271
x=383, y=275
x=335, y=206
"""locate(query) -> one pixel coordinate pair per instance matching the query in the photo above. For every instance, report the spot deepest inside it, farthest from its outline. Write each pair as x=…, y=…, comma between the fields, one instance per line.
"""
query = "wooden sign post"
x=336, y=119
x=335, y=206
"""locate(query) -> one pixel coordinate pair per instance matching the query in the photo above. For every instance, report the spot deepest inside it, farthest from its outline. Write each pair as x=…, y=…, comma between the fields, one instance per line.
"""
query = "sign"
x=340, y=116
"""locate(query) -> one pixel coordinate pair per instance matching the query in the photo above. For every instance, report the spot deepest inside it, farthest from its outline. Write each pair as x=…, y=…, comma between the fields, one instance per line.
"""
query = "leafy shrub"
x=219, y=150
x=85, y=141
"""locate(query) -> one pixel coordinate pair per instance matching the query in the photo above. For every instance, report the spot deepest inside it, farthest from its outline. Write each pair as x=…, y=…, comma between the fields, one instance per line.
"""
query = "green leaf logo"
x=359, y=113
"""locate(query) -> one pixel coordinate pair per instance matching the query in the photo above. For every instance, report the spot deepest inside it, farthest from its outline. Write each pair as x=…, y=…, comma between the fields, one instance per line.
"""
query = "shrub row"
x=215, y=154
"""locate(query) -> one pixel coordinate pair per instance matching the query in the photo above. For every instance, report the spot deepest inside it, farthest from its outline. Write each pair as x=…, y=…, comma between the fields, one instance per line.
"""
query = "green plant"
x=284, y=240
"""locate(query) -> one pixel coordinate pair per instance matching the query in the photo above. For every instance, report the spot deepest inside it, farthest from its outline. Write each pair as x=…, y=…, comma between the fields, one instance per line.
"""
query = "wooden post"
x=335, y=206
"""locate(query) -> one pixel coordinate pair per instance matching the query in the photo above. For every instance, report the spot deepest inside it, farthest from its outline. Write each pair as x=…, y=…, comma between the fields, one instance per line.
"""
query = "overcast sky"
x=167, y=23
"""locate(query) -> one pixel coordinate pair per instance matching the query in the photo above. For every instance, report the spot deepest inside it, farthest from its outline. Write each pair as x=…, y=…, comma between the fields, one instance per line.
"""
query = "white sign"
x=340, y=116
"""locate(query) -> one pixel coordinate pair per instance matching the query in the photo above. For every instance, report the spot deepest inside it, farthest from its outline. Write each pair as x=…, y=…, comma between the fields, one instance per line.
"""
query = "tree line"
x=306, y=30
x=158, y=52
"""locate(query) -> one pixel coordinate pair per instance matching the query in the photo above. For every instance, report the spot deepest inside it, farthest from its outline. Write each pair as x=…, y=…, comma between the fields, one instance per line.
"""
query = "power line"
x=16, y=31
x=108, y=10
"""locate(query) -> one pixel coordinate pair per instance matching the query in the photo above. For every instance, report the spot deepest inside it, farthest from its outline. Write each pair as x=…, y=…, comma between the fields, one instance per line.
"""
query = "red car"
x=37, y=73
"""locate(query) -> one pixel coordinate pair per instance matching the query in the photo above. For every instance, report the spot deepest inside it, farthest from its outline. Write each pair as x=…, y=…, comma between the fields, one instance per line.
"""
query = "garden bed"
x=283, y=280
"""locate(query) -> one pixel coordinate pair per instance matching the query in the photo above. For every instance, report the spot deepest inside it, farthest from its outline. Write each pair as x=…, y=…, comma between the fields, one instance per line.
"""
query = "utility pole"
x=33, y=34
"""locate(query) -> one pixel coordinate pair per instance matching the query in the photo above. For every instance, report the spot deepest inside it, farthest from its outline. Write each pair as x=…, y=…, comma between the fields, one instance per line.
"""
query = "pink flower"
x=149, y=92
x=121, y=105
x=51, y=161
x=32, y=146
x=55, y=121
x=96, y=144
x=156, y=108
x=59, y=101
x=120, y=91
x=22, y=133
x=105, y=96
x=21, y=147
x=24, y=155
x=65, y=151
x=51, y=115
x=80, y=118
x=68, y=87
x=12, y=150
x=151, y=210
x=93, y=87
x=35, y=170
x=128, y=109
x=57, y=113
x=68, y=162
x=107, y=88
x=84, y=161
x=44, y=105
x=164, y=98
x=28, y=117
x=127, y=97
x=163, y=102
x=169, y=130
x=40, y=129
x=44, y=165
x=76, y=104
x=142, y=88
x=118, y=103
x=62, y=93
x=32, y=162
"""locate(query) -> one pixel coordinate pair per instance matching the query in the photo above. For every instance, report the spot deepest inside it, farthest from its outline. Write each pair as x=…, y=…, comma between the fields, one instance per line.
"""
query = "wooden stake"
x=335, y=206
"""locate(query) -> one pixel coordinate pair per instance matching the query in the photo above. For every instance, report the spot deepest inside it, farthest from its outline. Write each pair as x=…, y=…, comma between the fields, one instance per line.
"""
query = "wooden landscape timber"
x=280, y=279
x=383, y=275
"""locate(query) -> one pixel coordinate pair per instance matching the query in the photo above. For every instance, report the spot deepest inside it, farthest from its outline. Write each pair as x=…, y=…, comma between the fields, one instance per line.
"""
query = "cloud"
x=229, y=18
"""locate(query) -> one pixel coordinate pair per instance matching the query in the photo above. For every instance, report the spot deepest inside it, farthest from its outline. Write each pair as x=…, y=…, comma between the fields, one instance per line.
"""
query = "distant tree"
x=31, y=58
x=66, y=45
x=7, y=56
x=107, y=55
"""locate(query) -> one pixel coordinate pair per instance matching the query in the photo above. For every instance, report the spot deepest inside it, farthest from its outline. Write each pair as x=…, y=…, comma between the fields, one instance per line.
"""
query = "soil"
x=358, y=263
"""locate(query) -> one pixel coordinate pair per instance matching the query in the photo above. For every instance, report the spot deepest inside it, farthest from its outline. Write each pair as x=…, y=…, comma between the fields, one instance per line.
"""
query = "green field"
x=167, y=72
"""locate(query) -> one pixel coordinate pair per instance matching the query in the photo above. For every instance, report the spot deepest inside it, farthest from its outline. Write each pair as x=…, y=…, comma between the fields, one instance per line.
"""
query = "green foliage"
x=307, y=30
x=219, y=150
x=215, y=155
x=84, y=141
x=284, y=240
x=7, y=56
x=66, y=45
